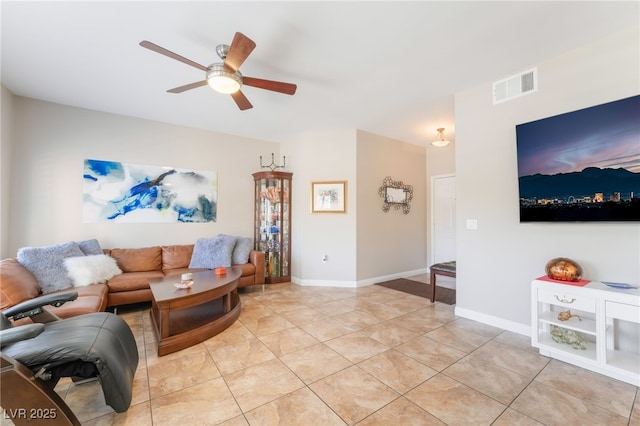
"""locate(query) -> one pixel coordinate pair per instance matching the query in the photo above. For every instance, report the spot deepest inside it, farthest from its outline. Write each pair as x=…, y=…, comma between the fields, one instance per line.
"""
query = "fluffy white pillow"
x=92, y=269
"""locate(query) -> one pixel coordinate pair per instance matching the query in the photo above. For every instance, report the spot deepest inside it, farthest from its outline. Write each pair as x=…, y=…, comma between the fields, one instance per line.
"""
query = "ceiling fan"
x=225, y=77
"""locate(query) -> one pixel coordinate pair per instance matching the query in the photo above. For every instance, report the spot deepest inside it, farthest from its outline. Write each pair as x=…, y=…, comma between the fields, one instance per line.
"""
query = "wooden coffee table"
x=184, y=317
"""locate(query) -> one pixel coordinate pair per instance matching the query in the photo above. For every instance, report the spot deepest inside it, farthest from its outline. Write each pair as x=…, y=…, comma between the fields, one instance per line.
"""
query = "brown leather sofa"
x=138, y=266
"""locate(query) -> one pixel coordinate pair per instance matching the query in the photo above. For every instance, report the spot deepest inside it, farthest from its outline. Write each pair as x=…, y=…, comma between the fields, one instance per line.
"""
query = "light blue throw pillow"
x=241, y=249
x=90, y=247
x=211, y=253
x=47, y=264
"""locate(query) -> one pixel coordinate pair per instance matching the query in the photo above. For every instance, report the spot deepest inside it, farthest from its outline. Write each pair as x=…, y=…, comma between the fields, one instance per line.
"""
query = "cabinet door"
x=272, y=231
x=285, y=227
x=623, y=336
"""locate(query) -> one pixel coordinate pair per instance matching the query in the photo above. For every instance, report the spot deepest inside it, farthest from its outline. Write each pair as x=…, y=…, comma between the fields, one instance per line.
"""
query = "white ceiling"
x=390, y=68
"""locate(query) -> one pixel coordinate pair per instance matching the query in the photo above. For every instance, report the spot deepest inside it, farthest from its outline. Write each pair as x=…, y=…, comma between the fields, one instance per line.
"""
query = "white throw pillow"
x=92, y=269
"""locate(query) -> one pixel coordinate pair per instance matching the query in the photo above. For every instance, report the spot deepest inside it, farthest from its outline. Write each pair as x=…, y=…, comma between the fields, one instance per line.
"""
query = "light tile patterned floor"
x=367, y=356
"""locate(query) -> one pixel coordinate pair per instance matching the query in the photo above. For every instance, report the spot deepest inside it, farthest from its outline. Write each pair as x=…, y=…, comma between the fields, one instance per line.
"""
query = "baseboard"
x=323, y=283
x=502, y=323
x=359, y=283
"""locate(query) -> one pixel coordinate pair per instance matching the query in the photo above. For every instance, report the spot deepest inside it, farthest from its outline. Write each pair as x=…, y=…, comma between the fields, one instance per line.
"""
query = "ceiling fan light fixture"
x=223, y=81
x=441, y=141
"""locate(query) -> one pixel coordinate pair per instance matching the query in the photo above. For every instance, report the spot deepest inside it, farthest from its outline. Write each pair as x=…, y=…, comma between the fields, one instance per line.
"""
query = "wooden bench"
x=447, y=269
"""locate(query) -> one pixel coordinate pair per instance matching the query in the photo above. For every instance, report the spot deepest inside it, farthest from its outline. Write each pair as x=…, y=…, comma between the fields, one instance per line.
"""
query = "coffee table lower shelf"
x=193, y=325
x=181, y=319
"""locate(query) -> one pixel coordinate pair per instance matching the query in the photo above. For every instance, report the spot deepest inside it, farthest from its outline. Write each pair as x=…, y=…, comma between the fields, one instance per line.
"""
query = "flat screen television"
x=581, y=166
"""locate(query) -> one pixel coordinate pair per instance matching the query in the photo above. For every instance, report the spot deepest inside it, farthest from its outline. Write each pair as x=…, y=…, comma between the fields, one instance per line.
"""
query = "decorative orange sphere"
x=563, y=269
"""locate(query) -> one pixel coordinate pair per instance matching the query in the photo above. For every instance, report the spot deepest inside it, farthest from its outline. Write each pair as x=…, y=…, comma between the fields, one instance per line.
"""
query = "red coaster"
x=580, y=283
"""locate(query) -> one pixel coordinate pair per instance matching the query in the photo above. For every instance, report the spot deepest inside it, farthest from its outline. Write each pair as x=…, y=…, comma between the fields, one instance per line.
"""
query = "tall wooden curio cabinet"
x=272, y=227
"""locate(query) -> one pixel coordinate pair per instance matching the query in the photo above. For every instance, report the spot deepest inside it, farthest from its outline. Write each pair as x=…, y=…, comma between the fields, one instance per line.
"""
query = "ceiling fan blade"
x=274, y=86
x=188, y=87
x=165, y=52
x=241, y=100
x=240, y=48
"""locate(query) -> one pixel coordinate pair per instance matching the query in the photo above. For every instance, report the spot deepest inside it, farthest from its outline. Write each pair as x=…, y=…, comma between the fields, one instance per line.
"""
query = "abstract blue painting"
x=122, y=192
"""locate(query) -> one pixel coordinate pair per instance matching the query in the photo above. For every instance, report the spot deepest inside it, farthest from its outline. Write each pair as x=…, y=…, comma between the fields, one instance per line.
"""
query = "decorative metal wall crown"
x=273, y=165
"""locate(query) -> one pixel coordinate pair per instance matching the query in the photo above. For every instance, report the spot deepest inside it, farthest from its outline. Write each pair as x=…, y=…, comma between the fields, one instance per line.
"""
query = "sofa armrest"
x=23, y=332
x=32, y=307
x=256, y=258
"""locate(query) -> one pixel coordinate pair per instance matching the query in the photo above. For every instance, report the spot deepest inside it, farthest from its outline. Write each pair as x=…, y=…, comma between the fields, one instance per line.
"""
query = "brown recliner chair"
x=35, y=356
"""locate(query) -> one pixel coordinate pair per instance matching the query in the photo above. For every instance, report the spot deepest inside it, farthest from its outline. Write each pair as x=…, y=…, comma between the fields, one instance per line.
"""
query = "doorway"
x=443, y=223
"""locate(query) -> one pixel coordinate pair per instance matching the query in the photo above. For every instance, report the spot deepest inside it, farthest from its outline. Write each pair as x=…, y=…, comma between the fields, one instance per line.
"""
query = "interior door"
x=443, y=232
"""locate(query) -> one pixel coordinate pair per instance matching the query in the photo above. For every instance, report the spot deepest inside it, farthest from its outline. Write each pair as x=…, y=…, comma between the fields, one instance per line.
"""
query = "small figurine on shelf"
x=567, y=315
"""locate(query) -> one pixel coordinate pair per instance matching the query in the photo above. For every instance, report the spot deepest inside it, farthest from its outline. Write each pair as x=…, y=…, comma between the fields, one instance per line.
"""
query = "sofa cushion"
x=132, y=281
x=17, y=284
x=90, y=299
x=92, y=269
x=47, y=264
x=90, y=247
x=138, y=259
x=211, y=253
x=176, y=256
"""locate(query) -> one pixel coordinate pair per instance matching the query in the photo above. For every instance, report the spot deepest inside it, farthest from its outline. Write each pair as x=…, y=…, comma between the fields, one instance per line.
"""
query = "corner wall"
x=497, y=262
x=50, y=142
x=6, y=136
x=323, y=155
x=363, y=245
x=392, y=244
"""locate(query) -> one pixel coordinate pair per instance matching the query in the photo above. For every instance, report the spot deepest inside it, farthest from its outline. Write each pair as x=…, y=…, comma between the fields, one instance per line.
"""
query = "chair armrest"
x=256, y=257
x=23, y=332
x=34, y=306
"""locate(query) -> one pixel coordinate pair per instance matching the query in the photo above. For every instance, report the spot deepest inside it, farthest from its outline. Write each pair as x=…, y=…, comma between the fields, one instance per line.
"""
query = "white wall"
x=323, y=155
x=392, y=244
x=497, y=262
x=363, y=245
x=50, y=142
x=6, y=136
x=440, y=161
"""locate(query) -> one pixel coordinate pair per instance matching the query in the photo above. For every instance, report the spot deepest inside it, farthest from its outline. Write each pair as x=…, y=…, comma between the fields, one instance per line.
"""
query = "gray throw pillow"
x=211, y=253
x=241, y=249
x=47, y=264
x=90, y=247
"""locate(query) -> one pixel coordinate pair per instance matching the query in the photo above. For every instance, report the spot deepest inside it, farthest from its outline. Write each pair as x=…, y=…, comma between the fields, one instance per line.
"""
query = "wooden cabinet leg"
x=432, y=280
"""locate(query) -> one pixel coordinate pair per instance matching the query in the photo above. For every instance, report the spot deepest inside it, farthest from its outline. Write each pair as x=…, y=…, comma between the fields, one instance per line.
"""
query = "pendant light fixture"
x=441, y=141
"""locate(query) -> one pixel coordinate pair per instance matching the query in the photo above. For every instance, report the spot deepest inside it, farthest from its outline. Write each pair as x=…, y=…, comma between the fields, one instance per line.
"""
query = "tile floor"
x=367, y=356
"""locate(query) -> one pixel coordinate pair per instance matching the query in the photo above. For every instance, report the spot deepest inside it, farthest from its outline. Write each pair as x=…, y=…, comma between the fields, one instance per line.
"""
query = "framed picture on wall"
x=329, y=196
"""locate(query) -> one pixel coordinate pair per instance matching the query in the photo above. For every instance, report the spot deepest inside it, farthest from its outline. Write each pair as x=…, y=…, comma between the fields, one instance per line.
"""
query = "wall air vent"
x=515, y=86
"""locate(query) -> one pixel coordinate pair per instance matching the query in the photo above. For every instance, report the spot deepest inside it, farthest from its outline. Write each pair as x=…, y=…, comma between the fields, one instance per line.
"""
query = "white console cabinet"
x=607, y=321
